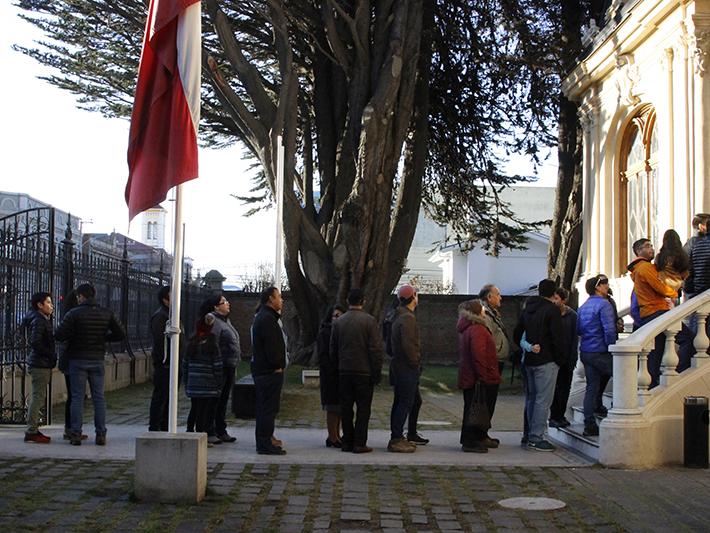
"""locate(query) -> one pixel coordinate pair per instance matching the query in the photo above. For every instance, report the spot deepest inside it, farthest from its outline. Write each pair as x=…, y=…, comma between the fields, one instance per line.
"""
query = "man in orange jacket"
x=654, y=298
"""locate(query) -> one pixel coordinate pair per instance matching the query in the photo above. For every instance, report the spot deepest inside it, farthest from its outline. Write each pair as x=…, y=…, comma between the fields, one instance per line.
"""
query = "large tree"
x=379, y=104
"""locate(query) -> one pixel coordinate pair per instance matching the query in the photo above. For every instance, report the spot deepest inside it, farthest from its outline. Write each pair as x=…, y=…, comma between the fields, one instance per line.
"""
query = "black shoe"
x=100, y=440
x=591, y=430
x=478, y=447
x=346, y=447
x=559, y=423
x=601, y=411
x=416, y=438
x=333, y=443
x=75, y=439
x=271, y=450
x=226, y=437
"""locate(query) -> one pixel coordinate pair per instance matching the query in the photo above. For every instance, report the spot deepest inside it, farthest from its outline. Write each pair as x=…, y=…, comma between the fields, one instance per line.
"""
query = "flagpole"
x=172, y=328
x=280, y=164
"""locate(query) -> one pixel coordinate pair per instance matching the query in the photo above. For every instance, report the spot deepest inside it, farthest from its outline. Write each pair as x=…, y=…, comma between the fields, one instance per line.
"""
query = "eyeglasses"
x=223, y=302
x=601, y=281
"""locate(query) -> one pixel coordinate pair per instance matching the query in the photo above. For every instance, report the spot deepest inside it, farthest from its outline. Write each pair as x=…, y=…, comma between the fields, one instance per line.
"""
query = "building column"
x=701, y=40
x=590, y=193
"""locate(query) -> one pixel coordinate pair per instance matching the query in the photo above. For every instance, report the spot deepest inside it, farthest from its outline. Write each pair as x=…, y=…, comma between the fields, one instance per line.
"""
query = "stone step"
x=578, y=415
x=572, y=438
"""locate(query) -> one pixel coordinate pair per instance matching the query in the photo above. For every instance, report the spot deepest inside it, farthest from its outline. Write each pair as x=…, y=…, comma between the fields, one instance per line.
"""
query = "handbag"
x=478, y=416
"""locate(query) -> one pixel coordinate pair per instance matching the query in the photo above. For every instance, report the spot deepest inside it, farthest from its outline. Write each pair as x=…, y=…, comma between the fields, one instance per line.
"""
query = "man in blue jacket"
x=41, y=360
x=596, y=327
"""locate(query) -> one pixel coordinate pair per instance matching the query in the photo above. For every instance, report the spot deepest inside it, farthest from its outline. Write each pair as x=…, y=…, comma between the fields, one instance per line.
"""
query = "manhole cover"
x=532, y=504
x=433, y=423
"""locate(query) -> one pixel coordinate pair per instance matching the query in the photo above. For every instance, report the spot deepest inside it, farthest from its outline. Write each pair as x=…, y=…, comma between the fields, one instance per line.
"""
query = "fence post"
x=67, y=262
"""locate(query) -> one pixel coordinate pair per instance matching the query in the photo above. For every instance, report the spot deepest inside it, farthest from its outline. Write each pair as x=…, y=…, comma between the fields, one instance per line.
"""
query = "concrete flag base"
x=171, y=467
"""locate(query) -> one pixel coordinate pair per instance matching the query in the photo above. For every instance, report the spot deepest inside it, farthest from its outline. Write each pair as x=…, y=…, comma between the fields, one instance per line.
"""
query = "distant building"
x=513, y=271
x=153, y=227
x=13, y=202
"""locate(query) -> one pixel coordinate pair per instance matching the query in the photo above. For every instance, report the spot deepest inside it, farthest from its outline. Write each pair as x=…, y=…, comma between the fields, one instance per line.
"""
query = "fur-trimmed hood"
x=467, y=318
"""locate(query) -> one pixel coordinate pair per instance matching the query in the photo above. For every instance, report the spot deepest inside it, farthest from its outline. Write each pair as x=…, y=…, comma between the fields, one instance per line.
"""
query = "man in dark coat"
x=356, y=347
x=86, y=328
x=541, y=323
x=268, y=361
x=41, y=360
x=566, y=371
x=161, y=363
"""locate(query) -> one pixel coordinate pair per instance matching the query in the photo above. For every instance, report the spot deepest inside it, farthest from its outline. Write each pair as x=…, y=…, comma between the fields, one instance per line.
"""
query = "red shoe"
x=37, y=438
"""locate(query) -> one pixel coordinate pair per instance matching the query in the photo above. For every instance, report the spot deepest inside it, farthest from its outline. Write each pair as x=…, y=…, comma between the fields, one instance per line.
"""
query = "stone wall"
x=437, y=316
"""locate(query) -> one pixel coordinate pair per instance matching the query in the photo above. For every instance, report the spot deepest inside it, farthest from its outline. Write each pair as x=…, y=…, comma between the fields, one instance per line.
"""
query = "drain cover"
x=532, y=504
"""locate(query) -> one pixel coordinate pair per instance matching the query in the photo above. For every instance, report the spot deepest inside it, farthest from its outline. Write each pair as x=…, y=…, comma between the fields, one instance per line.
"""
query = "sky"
x=76, y=161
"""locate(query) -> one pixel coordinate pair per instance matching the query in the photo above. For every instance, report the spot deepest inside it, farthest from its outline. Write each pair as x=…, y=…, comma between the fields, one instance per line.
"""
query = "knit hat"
x=406, y=292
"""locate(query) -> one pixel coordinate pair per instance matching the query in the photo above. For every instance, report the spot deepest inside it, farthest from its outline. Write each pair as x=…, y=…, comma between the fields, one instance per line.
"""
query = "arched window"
x=639, y=183
x=152, y=231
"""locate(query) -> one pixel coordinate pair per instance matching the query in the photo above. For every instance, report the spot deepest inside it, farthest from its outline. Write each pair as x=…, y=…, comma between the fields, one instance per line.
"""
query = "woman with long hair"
x=478, y=361
x=672, y=261
x=329, y=396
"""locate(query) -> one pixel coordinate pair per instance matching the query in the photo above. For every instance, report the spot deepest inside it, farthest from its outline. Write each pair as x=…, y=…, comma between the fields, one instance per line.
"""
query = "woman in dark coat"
x=203, y=380
x=478, y=360
x=329, y=377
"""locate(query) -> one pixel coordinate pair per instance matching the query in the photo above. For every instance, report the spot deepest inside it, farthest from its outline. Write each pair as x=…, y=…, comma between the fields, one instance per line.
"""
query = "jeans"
x=655, y=356
x=541, y=389
x=220, y=407
x=355, y=389
x=67, y=405
x=160, y=400
x=81, y=370
x=40, y=379
x=562, y=389
x=268, y=399
x=406, y=386
x=597, y=367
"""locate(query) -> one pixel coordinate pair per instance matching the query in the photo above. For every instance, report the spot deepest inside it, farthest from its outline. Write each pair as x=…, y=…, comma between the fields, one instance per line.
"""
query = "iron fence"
x=32, y=260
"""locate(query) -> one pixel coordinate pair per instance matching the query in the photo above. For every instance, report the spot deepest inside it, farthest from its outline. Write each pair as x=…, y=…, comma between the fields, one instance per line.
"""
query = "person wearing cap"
x=405, y=369
x=357, y=352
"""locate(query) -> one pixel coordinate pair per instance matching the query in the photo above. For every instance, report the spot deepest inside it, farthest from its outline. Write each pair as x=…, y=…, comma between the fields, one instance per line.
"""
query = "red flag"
x=162, y=144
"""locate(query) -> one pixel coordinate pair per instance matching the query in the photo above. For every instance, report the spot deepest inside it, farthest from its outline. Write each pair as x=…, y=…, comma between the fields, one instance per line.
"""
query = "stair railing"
x=630, y=355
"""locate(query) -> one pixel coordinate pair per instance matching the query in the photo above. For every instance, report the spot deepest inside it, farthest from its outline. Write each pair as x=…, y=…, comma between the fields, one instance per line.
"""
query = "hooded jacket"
x=38, y=328
x=651, y=292
x=541, y=321
x=406, y=351
x=477, y=352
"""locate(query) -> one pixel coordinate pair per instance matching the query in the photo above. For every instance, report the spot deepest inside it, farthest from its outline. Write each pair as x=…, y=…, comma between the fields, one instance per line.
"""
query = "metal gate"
x=27, y=265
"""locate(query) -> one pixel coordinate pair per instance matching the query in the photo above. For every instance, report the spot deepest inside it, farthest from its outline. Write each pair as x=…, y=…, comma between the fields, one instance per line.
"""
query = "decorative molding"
x=700, y=46
x=588, y=113
x=627, y=80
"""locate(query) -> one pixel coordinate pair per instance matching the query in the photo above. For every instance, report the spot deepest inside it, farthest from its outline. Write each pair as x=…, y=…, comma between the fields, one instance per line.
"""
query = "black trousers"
x=355, y=390
x=470, y=435
x=268, y=400
x=220, y=413
x=562, y=389
x=202, y=409
x=160, y=399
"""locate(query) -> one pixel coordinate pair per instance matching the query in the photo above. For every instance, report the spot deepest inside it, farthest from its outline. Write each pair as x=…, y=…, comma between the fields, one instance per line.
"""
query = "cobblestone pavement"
x=70, y=495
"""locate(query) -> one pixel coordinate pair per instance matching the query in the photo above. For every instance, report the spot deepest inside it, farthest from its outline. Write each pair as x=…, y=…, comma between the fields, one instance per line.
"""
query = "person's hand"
x=536, y=348
x=279, y=371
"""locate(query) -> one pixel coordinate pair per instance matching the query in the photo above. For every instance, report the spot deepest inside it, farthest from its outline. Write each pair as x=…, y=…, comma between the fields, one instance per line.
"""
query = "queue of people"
x=351, y=346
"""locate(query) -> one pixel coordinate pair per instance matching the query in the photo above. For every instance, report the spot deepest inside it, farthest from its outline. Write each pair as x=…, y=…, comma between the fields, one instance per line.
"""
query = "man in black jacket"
x=41, y=360
x=86, y=328
x=357, y=351
x=161, y=363
x=268, y=361
x=541, y=322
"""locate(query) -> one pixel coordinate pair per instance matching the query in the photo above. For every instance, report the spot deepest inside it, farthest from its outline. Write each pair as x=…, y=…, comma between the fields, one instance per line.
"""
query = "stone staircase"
x=643, y=428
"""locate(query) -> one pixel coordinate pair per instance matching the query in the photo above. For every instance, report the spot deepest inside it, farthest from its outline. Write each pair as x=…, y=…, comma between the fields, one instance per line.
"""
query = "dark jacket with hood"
x=478, y=358
x=541, y=321
x=267, y=342
x=406, y=350
x=86, y=328
x=38, y=328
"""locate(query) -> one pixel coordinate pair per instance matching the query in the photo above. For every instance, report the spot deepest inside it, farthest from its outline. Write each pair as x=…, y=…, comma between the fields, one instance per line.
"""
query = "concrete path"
x=304, y=446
